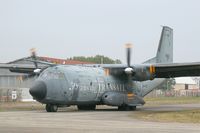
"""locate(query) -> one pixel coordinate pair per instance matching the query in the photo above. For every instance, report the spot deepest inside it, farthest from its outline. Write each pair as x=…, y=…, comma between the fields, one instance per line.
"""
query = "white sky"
x=65, y=28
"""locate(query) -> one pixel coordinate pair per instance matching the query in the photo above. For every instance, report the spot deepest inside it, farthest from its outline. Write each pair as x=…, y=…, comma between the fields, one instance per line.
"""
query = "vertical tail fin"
x=165, y=48
x=164, y=55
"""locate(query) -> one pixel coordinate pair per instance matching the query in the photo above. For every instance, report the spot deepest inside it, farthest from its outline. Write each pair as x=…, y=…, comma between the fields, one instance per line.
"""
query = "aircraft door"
x=87, y=89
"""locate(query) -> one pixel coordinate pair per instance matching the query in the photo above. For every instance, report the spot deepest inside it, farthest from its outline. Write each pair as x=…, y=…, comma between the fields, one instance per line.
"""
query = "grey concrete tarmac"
x=100, y=121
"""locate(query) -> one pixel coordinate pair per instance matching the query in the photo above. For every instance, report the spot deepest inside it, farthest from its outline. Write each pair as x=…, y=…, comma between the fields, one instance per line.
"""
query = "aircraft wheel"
x=126, y=108
x=48, y=107
x=51, y=108
x=86, y=107
x=54, y=108
x=92, y=107
x=123, y=108
x=132, y=107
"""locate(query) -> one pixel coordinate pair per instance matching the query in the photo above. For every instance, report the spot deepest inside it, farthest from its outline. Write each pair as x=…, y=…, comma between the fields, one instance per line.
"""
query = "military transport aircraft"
x=118, y=85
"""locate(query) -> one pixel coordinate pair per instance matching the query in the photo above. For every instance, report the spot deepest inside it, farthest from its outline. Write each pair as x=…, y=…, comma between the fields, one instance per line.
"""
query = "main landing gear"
x=86, y=107
x=51, y=108
x=126, y=108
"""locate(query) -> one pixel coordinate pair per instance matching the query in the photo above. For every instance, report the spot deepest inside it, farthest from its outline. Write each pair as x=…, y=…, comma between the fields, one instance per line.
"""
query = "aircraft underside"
x=124, y=101
x=87, y=99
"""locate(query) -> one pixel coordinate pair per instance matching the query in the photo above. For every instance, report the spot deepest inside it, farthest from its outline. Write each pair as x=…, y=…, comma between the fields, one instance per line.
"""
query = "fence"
x=174, y=93
x=6, y=94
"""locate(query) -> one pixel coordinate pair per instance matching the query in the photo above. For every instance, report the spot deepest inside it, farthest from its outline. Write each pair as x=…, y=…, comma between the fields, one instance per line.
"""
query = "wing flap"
x=177, y=70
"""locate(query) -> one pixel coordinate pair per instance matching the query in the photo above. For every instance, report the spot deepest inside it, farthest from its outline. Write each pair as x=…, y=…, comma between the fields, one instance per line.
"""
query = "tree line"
x=98, y=59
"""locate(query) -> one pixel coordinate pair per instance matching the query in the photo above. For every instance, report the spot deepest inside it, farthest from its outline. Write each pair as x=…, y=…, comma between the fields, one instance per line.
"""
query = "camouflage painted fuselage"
x=115, y=85
x=80, y=85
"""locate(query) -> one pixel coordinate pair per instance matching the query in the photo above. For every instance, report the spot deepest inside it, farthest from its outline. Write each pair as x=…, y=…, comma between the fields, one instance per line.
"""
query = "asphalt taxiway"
x=101, y=120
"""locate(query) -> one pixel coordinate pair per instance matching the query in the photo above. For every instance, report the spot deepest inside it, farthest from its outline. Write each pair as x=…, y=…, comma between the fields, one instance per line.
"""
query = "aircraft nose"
x=38, y=90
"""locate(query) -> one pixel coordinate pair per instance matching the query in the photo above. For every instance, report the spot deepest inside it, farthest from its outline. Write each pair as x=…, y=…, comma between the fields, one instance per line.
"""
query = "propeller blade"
x=34, y=57
x=129, y=70
x=128, y=52
x=37, y=70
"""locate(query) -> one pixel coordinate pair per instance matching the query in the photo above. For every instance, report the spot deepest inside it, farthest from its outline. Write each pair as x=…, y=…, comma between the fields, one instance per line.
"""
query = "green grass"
x=186, y=116
x=171, y=100
x=183, y=116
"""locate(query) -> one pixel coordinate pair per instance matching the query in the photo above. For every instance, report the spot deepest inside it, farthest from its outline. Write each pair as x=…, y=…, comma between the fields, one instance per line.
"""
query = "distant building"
x=185, y=83
x=186, y=86
x=20, y=83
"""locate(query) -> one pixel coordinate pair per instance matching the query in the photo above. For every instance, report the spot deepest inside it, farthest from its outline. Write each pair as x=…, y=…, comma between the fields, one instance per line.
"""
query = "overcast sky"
x=65, y=28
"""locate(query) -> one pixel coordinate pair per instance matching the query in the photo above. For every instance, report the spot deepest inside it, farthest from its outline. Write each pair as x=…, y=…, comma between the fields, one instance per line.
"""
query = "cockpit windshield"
x=52, y=74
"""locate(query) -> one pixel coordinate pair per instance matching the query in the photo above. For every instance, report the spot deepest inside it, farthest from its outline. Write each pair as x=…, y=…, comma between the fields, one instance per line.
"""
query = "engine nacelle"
x=129, y=70
x=113, y=98
x=143, y=73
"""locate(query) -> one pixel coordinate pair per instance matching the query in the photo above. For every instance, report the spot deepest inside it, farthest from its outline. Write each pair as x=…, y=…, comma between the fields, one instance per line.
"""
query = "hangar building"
x=15, y=86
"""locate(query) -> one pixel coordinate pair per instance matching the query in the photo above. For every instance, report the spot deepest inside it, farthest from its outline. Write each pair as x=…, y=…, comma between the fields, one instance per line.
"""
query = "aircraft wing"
x=20, y=68
x=150, y=71
x=177, y=70
x=27, y=68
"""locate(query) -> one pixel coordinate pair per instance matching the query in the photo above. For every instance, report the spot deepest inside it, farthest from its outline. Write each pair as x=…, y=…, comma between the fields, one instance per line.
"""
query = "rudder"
x=165, y=48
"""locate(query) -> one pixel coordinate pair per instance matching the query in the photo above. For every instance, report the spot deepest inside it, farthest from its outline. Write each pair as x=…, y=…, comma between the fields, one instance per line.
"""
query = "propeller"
x=34, y=57
x=129, y=70
x=128, y=52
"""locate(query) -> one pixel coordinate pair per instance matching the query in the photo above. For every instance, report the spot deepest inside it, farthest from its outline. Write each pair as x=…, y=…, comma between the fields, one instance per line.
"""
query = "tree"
x=167, y=85
x=98, y=59
x=197, y=80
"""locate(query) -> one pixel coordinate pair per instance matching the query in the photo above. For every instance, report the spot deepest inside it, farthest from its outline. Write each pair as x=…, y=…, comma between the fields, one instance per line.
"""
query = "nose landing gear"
x=51, y=108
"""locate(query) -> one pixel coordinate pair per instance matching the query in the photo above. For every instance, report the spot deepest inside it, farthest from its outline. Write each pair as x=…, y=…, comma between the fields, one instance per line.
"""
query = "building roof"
x=6, y=72
x=185, y=80
x=63, y=61
x=50, y=59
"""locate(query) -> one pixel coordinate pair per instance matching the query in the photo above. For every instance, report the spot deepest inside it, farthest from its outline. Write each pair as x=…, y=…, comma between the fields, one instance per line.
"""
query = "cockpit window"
x=52, y=75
